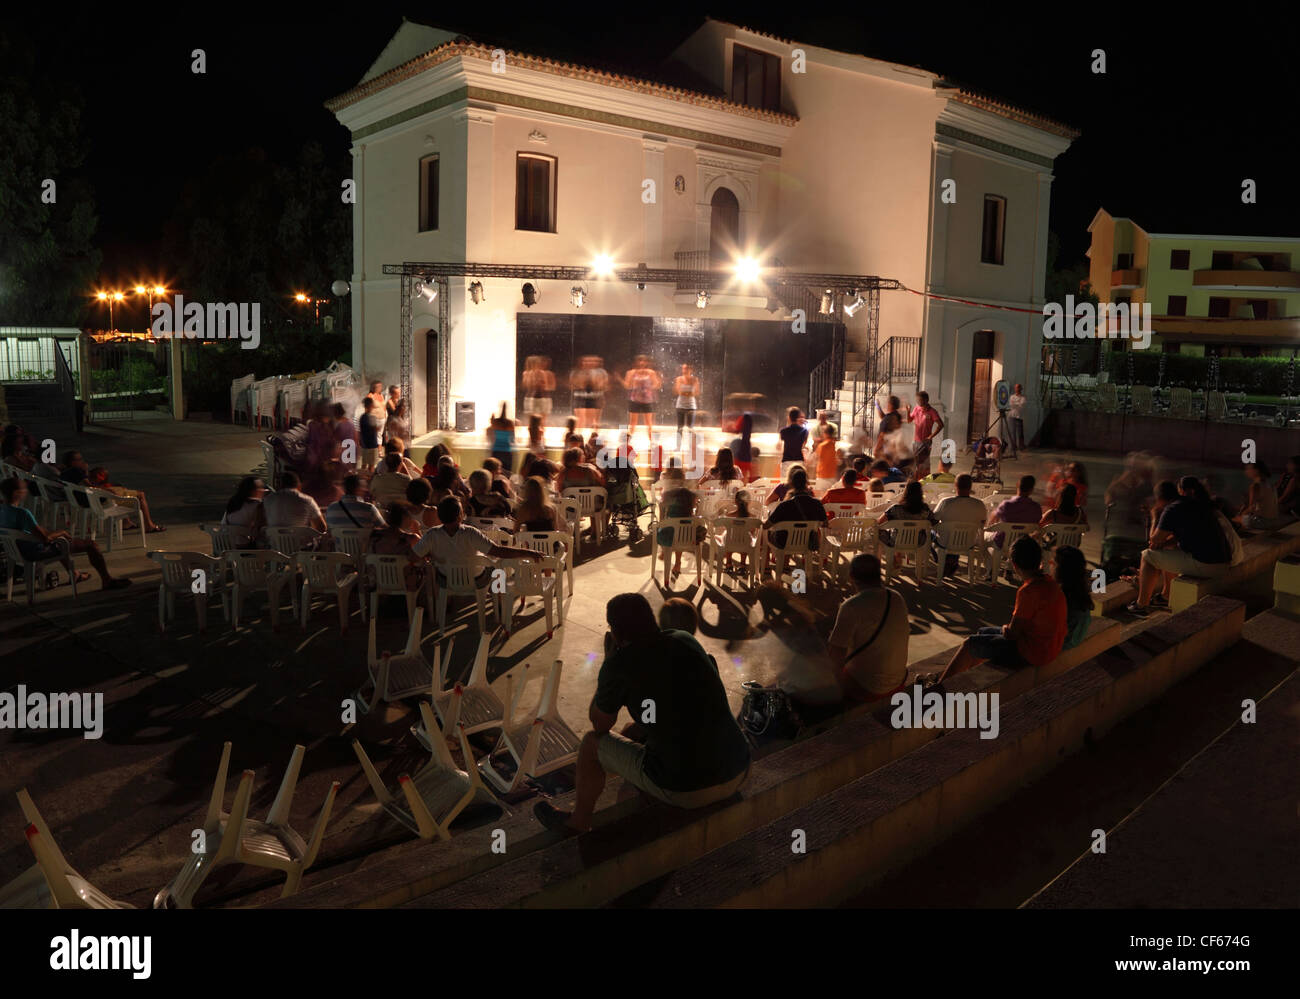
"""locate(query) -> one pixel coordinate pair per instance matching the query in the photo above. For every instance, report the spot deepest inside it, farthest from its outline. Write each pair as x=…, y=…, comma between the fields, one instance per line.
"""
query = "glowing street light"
x=747, y=270
x=110, y=297
x=150, y=291
x=305, y=299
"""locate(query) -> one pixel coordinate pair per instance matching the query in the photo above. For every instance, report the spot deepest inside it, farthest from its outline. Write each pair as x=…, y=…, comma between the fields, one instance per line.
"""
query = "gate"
x=128, y=376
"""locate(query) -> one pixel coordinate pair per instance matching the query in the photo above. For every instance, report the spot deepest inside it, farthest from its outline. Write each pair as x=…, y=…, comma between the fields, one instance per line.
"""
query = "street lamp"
x=150, y=290
x=306, y=299
x=110, y=297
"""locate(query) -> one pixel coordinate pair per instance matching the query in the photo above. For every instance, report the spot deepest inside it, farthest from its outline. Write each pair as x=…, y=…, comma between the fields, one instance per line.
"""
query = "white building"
x=830, y=162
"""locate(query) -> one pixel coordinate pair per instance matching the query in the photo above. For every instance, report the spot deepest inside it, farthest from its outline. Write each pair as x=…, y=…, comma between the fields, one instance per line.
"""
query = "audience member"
x=397, y=446
x=679, y=614
x=534, y=511
x=1020, y=509
x=483, y=501
x=944, y=475
x=828, y=457
x=244, y=513
x=391, y=537
x=692, y=754
x=50, y=544
x=289, y=506
x=799, y=505
x=420, y=507
x=846, y=492
x=452, y=541
x=350, y=510
x=97, y=478
x=369, y=432
x=794, y=441
x=868, y=644
x=1188, y=539
x=1261, y=508
x=1074, y=580
x=390, y=482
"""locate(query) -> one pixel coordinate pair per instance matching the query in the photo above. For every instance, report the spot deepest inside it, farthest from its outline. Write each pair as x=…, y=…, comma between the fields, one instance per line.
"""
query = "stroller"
x=988, y=460
x=626, y=500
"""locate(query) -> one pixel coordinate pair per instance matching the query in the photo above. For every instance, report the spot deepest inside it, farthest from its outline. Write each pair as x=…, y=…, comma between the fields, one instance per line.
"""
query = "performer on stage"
x=687, y=387
x=539, y=383
x=501, y=432
x=643, y=384
x=588, y=382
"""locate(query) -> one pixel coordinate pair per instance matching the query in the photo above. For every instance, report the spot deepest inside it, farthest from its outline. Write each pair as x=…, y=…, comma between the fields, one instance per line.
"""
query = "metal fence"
x=127, y=377
x=31, y=359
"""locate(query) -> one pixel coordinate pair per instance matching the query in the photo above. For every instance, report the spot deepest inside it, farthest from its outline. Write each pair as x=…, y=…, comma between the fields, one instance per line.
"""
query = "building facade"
x=825, y=161
x=1235, y=296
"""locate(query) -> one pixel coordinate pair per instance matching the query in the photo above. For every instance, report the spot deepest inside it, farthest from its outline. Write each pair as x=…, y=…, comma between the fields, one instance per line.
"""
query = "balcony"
x=1280, y=332
x=1130, y=277
x=1254, y=279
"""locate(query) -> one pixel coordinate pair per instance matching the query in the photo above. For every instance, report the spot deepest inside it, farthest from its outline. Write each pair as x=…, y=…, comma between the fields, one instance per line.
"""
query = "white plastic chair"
x=847, y=537
x=532, y=578
x=799, y=537
x=100, y=508
x=273, y=843
x=56, y=502
x=686, y=538
x=734, y=536
x=473, y=706
x=178, y=576
x=485, y=524
x=222, y=536
x=386, y=576
x=1012, y=533
x=539, y=745
x=544, y=543
x=221, y=836
x=593, y=505
x=910, y=539
x=960, y=538
x=52, y=883
x=407, y=674
x=983, y=490
x=460, y=579
x=1054, y=536
x=438, y=792
x=328, y=573
x=255, y=572
x=35, y=569
x=843, y=511
x=289, y=541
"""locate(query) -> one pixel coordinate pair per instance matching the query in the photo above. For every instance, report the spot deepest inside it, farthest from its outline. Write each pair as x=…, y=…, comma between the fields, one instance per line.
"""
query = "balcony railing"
x=1246, y=279
x=1129, y=277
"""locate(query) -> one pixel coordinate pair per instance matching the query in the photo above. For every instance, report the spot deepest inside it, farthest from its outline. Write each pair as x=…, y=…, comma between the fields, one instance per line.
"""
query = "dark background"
x=1194, y=100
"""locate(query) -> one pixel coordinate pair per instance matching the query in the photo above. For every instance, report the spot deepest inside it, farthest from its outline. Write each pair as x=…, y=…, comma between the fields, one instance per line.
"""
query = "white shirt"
x=962, y=509
x=1016, y=406
x=242, y=521
x=882, y=666
x=388, y=486
x=459, y=547
x=290, y=508
x=362, y=514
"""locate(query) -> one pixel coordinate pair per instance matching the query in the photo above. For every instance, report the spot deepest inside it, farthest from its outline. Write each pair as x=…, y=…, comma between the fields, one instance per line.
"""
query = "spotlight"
x=853, y=308
x=747, y=270
x=702, y=300
x=476, y=292
x=530, y=294
x=577, y=295
x=422, y=289
x=828, y=303
x=640, y=285
x=773, y=305
x=602, y=266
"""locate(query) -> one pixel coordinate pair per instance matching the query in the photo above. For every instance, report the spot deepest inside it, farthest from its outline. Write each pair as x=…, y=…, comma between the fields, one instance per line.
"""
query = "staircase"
x=896, y=364
x=45, y=409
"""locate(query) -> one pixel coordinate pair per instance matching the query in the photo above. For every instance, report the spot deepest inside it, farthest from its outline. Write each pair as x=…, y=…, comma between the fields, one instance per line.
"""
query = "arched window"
x=724, y=227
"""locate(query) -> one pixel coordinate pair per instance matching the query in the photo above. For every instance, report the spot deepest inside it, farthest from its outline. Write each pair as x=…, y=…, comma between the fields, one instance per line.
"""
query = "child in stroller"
x=988, y=460
x=626, y=499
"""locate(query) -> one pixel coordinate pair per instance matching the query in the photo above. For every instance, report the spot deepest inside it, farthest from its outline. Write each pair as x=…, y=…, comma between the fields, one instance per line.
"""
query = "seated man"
x=1020, y=509
x=1037, y=630
x=289, y=506
x=944, y=475
x=1189, y=538
x=885, y=473
x=960, y=509
x=452, y=541
x=390, y=482
x=798, y=505
x=350, y=510
x=846, y=492
x=693, y=753
x=868, y=645
x=50, y=544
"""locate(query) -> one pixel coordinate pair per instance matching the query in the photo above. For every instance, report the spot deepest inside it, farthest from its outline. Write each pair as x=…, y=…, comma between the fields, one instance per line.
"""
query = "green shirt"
x=693, y=741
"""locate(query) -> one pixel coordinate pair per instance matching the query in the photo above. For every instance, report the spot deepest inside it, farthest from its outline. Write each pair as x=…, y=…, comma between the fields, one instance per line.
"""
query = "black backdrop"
x=766, y=358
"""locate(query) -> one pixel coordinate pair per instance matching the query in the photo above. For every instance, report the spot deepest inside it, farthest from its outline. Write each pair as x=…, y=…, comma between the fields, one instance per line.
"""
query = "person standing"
x=926, y=424
x=1016, y=414
x=687, y=388
x=369, y=429
x=643, y=383
x=794, y=441
x=377, y=396
x=891, y=422
x=501, y=432
x=345, y=430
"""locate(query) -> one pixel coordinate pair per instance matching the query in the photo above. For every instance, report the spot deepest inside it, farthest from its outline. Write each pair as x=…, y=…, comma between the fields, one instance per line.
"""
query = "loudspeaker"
x=464, y=417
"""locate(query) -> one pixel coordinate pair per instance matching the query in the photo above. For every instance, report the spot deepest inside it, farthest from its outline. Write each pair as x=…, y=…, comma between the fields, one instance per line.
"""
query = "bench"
x=871, y=826
x=1263, y=551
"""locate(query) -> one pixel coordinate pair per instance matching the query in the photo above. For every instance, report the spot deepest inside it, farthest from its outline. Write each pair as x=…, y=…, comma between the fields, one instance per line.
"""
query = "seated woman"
x=911, y=507
x=1073, y=578
x=420, y=508
x=433, y=457
x=678, y=501
x=45, y=544
x=781, y=488
x=98, y=478
x=397, y=445
x=244, y=513
x=724, y=470
x=1261, y=509
x=483, y=500
x=535, y=511
x=1067, y=509
x=577, y=472
x=393, y=538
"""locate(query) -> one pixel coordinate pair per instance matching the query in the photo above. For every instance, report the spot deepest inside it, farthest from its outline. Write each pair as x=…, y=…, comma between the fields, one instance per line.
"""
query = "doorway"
x=981, y=385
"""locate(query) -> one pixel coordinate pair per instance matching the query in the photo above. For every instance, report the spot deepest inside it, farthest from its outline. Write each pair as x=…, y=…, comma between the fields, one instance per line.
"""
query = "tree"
x=46, y=258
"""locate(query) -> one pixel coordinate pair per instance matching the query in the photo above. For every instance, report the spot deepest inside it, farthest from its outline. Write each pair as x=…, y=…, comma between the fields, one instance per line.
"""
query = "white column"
x=478, y=182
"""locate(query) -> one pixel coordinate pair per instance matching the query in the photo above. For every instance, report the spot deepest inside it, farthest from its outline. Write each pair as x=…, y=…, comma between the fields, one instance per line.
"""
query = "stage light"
x=602, y=266
x=421, y=289
x=640, y=285
x=853, y=308
x=577, y=295
x=747, y=270
x=529, y=291
x=773, y=304
x=828, y=303
x=476, y=292
x=702, y=300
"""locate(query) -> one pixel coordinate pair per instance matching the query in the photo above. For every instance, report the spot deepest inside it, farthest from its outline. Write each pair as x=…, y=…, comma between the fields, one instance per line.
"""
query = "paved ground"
x=123, y=807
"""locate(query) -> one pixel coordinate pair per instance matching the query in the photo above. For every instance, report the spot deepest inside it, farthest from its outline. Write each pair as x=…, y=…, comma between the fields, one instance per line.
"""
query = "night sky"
x=1184, y=113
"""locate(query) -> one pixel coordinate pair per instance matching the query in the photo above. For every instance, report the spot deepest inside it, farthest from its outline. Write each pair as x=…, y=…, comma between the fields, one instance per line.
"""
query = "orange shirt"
x=845, y=494
x=828, y=462
x=1041, y=611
